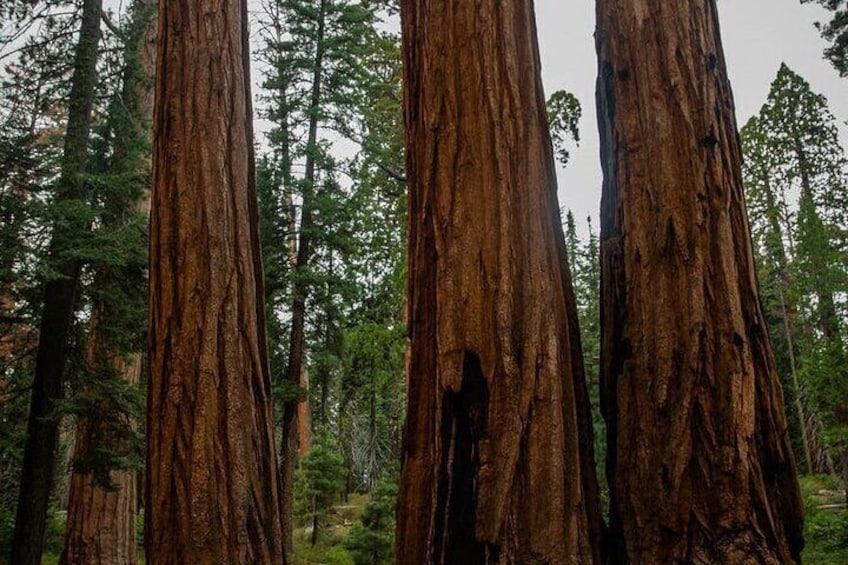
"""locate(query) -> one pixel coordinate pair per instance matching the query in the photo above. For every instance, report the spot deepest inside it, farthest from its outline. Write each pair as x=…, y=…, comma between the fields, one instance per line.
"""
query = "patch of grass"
x=825, y=530
x=329, y=550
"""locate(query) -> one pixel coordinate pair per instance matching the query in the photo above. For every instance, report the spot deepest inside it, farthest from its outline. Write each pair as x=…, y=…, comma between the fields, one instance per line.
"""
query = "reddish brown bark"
x=700, y=465
x=213, y=492
x=494, y=470
x=304, y=418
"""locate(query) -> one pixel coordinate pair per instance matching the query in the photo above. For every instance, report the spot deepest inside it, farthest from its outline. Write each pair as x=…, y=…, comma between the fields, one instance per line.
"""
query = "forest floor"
x=826, y=521
x=826, y=529
x=329, y=549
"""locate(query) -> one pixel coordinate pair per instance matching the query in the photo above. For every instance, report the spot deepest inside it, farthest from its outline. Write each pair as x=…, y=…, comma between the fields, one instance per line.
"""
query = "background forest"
x=332, y=195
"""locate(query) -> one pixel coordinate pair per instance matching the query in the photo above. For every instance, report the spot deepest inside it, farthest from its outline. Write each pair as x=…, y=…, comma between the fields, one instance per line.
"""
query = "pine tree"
x=33, y=116
x=691, y=395
x=370, y=542
x=60, y=294
x=317, y=53
x=320, y=482
x=836, y=32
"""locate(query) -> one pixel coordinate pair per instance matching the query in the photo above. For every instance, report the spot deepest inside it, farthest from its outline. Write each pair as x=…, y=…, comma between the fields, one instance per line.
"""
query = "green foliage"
x=796, y=181
x=306, y=554
x=836, y=32
x=371, y=542
x=585, y=265
x=319, y=482
x=825, y=527
x=564, y=113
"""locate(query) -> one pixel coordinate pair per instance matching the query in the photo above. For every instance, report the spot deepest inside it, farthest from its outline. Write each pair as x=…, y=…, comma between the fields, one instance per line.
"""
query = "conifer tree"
x=101, y=522
x=60, y=294
x=317, y=53
x=836, y=32
x=801, y=160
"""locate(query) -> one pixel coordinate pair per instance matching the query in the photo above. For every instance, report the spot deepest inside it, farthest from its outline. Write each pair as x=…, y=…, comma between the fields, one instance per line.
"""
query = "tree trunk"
x=497, y=466
x=213, y=491
x=295, y=369
x=101, y=518
x=60, y=294
x=304, y=417
x=700, y=464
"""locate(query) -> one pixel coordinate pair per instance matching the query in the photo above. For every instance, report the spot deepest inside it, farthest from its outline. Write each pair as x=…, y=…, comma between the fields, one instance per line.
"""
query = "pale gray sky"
x=758, y=35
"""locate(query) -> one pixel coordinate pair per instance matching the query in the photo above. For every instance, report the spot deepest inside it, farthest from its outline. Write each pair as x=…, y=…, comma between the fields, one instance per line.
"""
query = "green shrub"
x=319, y=482
x=371, y=542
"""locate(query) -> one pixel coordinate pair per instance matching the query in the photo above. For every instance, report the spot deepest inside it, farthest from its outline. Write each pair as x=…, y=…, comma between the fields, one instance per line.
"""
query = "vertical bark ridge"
x=213, y=492
x=700, y=464
x=492, y=464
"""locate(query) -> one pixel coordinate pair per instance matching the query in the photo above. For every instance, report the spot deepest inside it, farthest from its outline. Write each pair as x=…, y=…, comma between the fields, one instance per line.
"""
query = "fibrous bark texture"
x=494, y=470
x=700, y=464
x=60, y=294
x=212, y=485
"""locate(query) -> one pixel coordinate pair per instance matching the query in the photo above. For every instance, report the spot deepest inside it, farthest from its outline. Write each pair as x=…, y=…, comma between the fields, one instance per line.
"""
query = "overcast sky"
x=758, y=35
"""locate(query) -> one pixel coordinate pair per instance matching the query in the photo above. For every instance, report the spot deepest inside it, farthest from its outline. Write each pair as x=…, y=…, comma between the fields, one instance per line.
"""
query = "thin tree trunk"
x=294, y=372
x=700, y=465
x=101, y=518
x=60, y=294
x=213, y=490
x=497, y=467
x=304, y=417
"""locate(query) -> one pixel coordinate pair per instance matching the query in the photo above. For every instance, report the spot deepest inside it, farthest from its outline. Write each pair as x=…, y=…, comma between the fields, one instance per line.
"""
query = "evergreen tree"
x=320, y=482
x=796, y=171
x=60, y=294
x=371, y=541
x=212, y=485
x=497, y=453
x=836, y=32
x=101, y=520
x=322, y=66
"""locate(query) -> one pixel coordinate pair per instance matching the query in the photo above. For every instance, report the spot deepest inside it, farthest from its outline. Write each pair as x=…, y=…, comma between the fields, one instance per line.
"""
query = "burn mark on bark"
x=709, y=141
x=464, y=424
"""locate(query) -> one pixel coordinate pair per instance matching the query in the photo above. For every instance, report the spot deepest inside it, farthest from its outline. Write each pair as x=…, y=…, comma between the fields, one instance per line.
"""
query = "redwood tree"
x=700, y=464
x=497, y=457
x=212, y=485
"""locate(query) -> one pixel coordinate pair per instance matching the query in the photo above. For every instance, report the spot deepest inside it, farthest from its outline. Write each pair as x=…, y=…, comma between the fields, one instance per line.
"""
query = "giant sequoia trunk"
x=60, y=294
x=494, y=470
x=101, y=521
x=700, y=465
x=212, y=485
